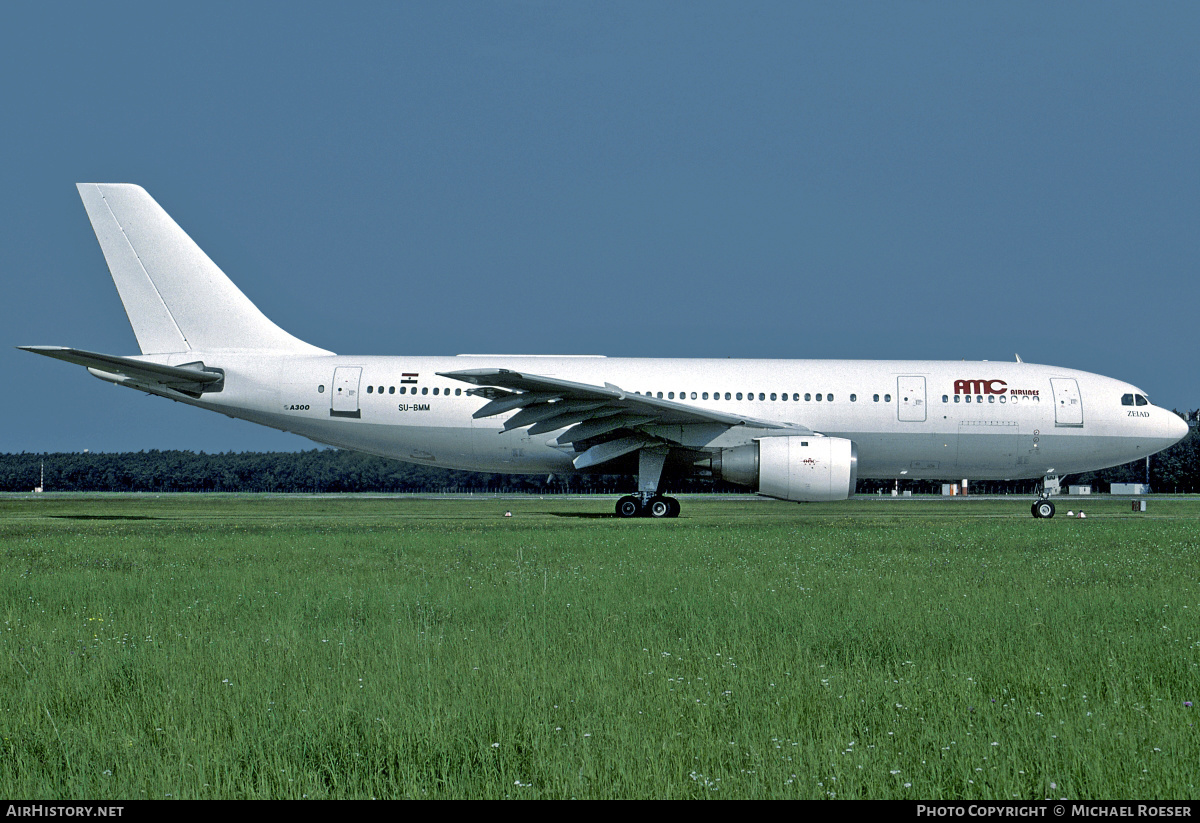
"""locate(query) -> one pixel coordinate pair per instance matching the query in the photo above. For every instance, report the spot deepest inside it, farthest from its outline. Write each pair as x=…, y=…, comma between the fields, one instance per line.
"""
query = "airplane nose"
x=1177, y=427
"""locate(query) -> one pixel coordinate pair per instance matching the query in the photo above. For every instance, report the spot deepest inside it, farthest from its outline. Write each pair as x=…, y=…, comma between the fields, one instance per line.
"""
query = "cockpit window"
x=1134, y=400
x=1141, y=400
x=1127, y=400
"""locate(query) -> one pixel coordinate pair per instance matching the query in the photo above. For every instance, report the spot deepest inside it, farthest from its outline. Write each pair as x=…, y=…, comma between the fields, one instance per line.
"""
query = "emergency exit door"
x=344, y=398
x=1068, y=407
x=910, y=396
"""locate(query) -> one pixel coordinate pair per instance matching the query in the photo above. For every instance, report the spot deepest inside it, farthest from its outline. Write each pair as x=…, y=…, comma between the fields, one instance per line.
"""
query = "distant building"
x=1129, y=488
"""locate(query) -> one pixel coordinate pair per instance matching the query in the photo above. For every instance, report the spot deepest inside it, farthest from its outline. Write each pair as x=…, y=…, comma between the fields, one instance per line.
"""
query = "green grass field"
x=212, y=646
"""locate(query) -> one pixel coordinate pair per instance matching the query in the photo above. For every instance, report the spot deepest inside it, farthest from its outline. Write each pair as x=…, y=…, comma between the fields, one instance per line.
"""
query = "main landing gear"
x=648, y=502
x=646, y=505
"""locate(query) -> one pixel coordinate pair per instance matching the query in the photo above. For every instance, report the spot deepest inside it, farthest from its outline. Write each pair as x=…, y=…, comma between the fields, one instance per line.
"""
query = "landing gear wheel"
x=660, y=507
x=628, y=506
x=674, y=504
x=1042, y=508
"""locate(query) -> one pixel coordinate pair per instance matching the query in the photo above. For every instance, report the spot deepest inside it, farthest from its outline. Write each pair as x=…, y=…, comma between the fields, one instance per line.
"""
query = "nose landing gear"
x=1042, y=507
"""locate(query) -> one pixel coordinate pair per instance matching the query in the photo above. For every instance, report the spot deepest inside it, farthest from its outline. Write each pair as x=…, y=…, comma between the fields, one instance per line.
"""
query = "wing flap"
x=511, y=401
x=597, y=427
x=544, y=411
x=610, y=450
x=562, y=419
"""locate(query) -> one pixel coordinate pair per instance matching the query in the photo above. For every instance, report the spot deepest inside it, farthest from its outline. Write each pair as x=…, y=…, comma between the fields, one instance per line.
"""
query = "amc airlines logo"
x=980, y=387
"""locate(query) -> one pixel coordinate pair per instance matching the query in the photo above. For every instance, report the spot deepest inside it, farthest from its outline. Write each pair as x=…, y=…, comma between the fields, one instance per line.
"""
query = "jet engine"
x=801, y=468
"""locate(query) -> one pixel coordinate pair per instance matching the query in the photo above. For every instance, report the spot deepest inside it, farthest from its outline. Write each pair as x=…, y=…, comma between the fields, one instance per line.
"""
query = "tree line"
x=332, y=471
x=315, y=471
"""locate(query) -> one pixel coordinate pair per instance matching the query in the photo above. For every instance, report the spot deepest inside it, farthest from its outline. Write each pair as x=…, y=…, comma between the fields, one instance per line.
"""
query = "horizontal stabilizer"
x=192, y=379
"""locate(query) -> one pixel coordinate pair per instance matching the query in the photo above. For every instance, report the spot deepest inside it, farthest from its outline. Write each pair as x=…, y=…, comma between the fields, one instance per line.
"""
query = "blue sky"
x=788, y=180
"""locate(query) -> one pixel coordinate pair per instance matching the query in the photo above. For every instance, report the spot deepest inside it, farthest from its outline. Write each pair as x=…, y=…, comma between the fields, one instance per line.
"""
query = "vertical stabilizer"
x=176, y=298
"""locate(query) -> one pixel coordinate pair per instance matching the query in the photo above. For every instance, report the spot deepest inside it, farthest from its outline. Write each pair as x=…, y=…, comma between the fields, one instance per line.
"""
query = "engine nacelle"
x=795, y=467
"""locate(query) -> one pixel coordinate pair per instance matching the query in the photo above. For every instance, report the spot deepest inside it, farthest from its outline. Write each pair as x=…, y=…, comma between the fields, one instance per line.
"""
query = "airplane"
x=796, y=430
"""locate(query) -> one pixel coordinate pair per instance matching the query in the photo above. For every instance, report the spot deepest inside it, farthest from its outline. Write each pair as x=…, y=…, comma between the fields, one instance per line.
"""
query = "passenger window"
x=854, y=398
x=807, y=397
x=876, y=398
x=796, y=396
x=991, y=398
x=370, y=389
x=762, y=395
x=968, y=398
x=670, y=395
x=321, y=389
x=694, y=395
x=727, y=396
x=887, y=398
x=435, y=391
x=956, y=399
x=391, y=389
x=829, y=397
x=706, y=395
x=945, y=398
x=424, y=390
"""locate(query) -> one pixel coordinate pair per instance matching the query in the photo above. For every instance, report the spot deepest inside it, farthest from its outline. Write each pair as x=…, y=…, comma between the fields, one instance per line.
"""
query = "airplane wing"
x=192, y=379
x=607, y=420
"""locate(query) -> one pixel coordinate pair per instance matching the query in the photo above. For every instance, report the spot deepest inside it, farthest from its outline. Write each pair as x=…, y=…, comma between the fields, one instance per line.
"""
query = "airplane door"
x=345, y=392
x=1068, y=407
x=910, y=394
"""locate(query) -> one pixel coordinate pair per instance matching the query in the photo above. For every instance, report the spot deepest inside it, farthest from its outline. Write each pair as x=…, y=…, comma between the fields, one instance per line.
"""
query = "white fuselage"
x=916, y=419
x=793, y=429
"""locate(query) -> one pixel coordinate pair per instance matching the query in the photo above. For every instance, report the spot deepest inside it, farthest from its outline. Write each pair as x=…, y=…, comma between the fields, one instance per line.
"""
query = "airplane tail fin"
x=176, y=298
